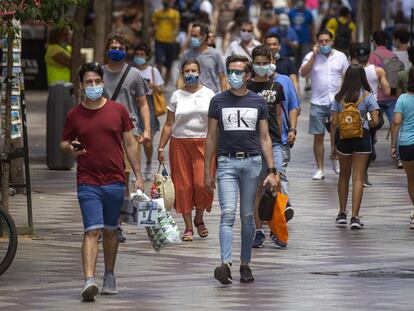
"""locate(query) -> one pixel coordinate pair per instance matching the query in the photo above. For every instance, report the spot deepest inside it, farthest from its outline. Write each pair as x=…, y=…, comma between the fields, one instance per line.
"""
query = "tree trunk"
x=102, y=25
x=77, y=43
x=7, y=120
x=376, y=15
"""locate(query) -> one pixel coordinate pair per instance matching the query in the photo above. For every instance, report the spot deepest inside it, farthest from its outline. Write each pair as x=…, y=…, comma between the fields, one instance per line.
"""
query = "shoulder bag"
x=160, y=106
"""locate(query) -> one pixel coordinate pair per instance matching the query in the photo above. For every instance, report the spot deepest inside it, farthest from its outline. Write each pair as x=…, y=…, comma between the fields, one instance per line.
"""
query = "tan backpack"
x=350, y=120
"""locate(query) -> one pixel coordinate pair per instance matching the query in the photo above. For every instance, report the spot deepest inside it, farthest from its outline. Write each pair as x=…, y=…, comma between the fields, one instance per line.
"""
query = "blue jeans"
x=388, y=107
x=234, y=176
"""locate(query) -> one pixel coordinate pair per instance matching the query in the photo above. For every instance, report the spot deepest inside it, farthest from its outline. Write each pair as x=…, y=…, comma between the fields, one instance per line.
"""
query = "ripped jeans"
x=234, y=176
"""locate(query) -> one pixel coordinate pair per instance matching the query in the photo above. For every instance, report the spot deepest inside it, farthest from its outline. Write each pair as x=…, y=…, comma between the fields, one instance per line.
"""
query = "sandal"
x=201, y=229
x=188, y=235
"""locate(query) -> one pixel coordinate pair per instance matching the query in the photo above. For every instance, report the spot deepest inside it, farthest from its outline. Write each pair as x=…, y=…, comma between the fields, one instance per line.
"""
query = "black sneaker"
x=259, y=239
x=356, y=223
x=276, y=241
x=246, y=274
x=341, y=219
x=223, y=274
x=289, y=212
x=121, y=238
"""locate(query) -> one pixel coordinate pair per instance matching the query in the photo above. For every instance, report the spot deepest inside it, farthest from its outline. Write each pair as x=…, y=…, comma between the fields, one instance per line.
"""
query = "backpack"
x=392, y=67
x=350, y=120
x=343, y=35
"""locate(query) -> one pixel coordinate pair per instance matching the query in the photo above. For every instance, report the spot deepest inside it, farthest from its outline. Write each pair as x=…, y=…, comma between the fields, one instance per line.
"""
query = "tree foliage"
x=50, y=12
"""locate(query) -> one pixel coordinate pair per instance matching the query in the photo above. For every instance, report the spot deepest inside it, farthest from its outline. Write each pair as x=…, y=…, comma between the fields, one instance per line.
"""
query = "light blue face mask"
x=325, y=49
x=195, y=42
x=261, y=70
x=94, y=92
x=139, y=60
x=235, y=80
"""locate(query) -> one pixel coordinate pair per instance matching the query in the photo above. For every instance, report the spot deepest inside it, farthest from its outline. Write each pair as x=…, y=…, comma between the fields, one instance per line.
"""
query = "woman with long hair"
x=404, y=120
x=352, y=153
x=186, y=125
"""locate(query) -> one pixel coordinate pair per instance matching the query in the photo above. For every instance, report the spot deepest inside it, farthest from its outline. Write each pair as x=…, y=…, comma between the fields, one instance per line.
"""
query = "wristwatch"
x=293, y=130
x=272, y=170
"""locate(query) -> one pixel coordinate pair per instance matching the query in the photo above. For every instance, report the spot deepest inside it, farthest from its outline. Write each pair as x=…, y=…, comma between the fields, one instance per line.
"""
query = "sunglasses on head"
x=234, y=71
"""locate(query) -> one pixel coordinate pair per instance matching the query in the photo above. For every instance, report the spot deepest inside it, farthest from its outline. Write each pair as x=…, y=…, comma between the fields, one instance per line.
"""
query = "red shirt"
x=100, y=132
x=375, y=60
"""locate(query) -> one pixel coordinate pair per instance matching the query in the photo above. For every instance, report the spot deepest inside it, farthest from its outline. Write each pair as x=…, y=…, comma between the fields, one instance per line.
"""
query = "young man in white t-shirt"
x=154, y=81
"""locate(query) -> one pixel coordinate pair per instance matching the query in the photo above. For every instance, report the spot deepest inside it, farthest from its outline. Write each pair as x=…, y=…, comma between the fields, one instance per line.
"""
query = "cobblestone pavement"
x=323, y=268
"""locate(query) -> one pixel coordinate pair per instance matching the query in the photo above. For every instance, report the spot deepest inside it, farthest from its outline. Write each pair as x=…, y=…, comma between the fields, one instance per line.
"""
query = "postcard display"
x=18, y=116
x=17, y=88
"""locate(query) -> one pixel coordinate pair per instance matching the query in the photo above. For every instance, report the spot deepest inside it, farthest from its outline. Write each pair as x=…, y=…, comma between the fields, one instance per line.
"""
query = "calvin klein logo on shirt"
x=239, y=119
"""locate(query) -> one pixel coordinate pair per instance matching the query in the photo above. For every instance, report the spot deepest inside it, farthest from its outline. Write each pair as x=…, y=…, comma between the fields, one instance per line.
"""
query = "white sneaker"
x=335, y=166
x=319, y=175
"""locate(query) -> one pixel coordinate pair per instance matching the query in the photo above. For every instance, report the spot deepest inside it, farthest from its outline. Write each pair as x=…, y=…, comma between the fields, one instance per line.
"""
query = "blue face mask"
x=195, y=42
x=261, y=70
x=325, y=49
x=94, y=92
x=235, y=80
x=139, y=60
x=116, y=55
x=191, y=79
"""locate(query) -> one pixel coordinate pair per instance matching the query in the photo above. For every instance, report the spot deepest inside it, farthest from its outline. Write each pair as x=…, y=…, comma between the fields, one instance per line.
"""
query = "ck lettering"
x=239, y=119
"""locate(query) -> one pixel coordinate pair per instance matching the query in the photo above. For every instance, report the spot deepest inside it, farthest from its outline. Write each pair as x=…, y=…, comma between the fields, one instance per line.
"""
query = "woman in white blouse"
x=186, y=125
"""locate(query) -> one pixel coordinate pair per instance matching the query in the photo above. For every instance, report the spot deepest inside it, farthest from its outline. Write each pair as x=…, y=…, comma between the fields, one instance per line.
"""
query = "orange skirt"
x=187, y=172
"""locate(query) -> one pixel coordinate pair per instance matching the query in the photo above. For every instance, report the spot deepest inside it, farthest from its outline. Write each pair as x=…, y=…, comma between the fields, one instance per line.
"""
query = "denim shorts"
x=101, y=205
x=317, y=119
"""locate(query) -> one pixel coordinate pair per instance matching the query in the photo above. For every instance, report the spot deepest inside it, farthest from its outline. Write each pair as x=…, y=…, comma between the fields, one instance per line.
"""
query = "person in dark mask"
x=186, y=129
x=131, y=94
x=212, y=66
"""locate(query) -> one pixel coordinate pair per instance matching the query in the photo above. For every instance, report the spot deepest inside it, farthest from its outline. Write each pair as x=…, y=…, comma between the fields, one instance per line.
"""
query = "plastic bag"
x=165, y=232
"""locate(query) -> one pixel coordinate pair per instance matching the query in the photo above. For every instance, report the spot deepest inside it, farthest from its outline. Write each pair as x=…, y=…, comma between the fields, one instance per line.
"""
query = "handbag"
x=266, y=206
x=165, y=186
x=160, y=107
x=278, y=222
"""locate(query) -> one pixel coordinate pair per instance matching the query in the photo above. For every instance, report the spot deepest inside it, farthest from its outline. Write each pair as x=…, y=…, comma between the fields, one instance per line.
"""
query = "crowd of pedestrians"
x=232, y=117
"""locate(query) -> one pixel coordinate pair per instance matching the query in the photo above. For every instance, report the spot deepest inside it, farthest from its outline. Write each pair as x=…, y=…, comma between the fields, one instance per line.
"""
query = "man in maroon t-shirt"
x=95, y=132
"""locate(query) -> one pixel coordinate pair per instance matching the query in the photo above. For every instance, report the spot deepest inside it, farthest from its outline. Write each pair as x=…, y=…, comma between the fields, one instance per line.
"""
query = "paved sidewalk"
x=323, y=268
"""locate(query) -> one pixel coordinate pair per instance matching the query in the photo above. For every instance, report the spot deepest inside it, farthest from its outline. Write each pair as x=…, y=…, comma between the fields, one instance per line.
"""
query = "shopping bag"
x=139, y=210
x=165, y=186
x=165, y=232
x=266, y=206
x=278, y=222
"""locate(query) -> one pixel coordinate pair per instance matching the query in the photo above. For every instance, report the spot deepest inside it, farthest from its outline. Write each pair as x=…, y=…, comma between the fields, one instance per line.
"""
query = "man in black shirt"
x=272, y=93
x=237, y=126
x=284, y=65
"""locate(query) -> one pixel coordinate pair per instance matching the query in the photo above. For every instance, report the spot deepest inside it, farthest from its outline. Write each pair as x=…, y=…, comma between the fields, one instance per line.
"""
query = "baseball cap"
x=362, y=52
x=363, y=49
